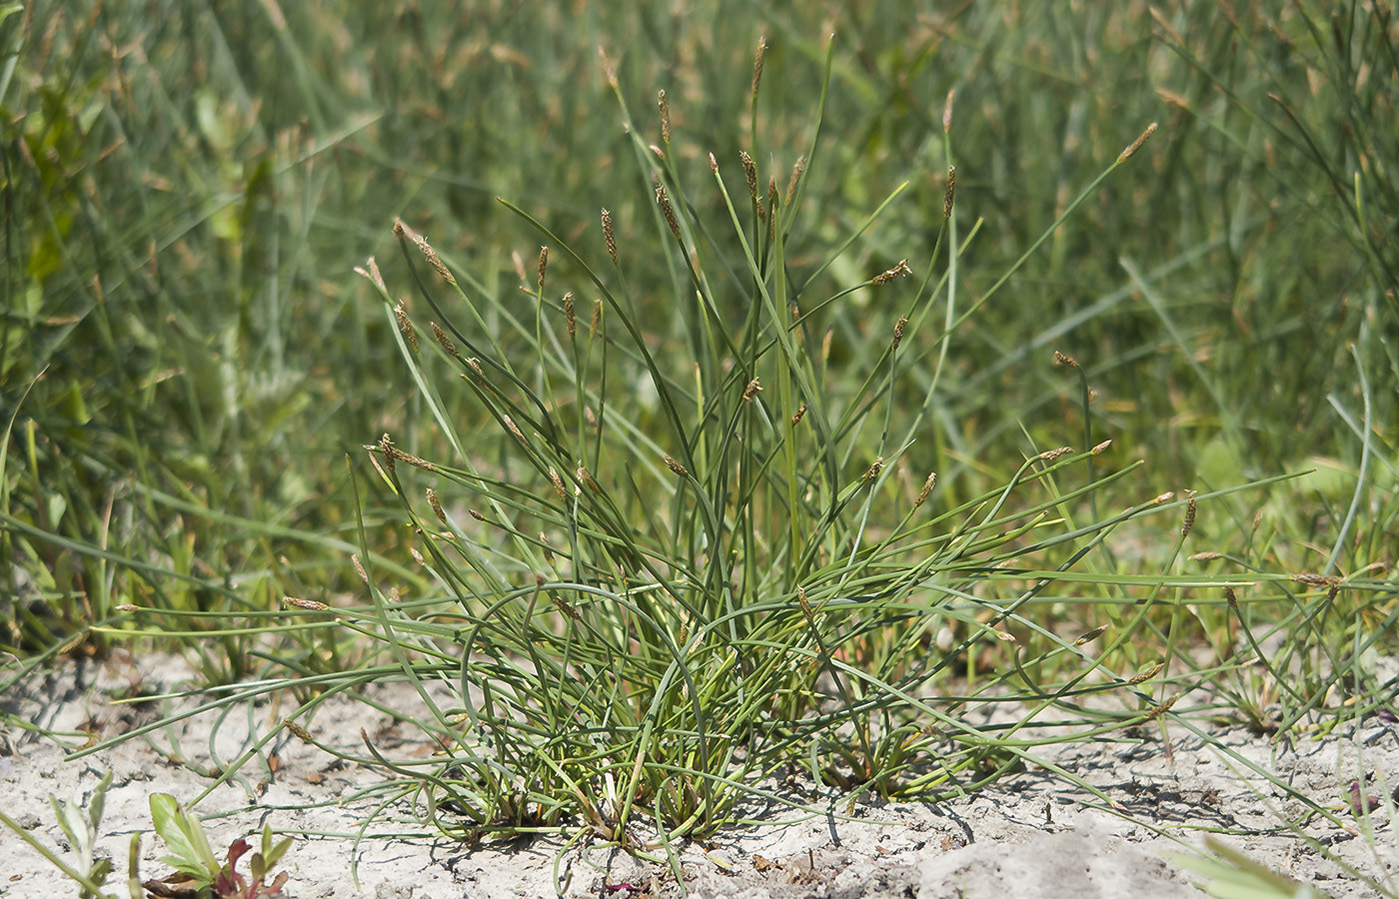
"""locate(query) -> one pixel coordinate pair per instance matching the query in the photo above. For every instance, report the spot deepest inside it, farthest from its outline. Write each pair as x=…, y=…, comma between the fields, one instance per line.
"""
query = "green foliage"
x=199, y=872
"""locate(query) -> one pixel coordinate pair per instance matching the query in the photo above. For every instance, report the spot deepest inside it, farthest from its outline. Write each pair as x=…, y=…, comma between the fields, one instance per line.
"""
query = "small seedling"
x=198, y=872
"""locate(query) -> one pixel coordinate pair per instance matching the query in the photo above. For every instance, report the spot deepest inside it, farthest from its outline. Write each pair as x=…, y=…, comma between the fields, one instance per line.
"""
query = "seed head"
x=558, y=484
x=406, y=326
x=875, y=468
x=1101, y=448
x=568, y=314
x=596, y=320
x=676, y=467
x=928, y=485
x=543, y=264
x=1136, y=144
x=1206, y=556
x=1064, y=360
x=401, y=230
x=1189, y=514
x=1092, y=635
x=443, y=340
x=513, y=428
x=750, y=171
x=1146, y=675
x=370, y=271
x=608, y=236
x=949, y=193
x=1163, y=708
x=751, y=391
x=436, y=504
x=359, y=568
x=797, y=416
x=665, y=118
x=476, y=515
x=297, y=731
x=309, y=605
x=899, y=330
x=758, y=63
x=1051, y=455
x=947, y=112
x=798, y=169
x=900, y=269
x=386, y=448
x=667, y=210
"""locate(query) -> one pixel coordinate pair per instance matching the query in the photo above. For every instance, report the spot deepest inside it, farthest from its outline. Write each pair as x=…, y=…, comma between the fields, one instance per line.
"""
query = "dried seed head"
x=805, y=603
x=1316, y=580
x=609, y=70
x=758, y=63
x=548, y=555
x=798, y=169
x=543, y=264
x=1092, y=635
x=608, y=236
x=1206, y=556
x=667, y=210
x=1136, y=144
x=1064, y=360
x=1051, y=455
x=947, y=112
x=127, y=607
x=949, y=193
x=370, y=272
x=443, y=340
x=928, y=485
x=797, y=416
x=399, y=228
x=417, y=556
x=1189, y=514
x=676, y=467
x=558, y=483
x=1101, y=448
x=436, y=505
x=406, y=326
x=476, y=367
x=665, y=118
x=1146, y=675
x=568, y=318
x=476, y=515
x=713, y=164
x=875, y=468
x=563, y=606
x=900, y=269
x=899, y=330
x=772, y=191
x=309, y=605
x=596, y=320
x=751, y=391
x=359, y=568
x=750, y=171
x=826, y=344
x=1163, y=498
x=585, y=477
x=795, y=311
x=513, y=428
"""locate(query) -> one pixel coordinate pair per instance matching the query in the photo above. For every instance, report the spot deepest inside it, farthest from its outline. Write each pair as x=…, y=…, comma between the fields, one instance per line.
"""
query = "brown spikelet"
x=797, y=416
x=399, y=228
x=751, y=391
x=667, y=210
x=1189, y=514
x=513, y=428
x=568, y=318
x=1146, y=675
x=1317, y=580
x=1163, y=708
x=476, y=367
x=608, y=236
x=665, y=117
x=476, y=515
x=596, y=320
x=1230, y=598
x=370, y=272
x=1101, y=448
x=406, y=326
x=564, y=606
x=548, y=555
x=1051, y=455
x=805, y=603
x=127, y=607
x=1136, y=144
x=875, y=468
x=1065, y=360
x=609, y=70
x=436, y=505
x=359, y=568
x=443, y=340
x=309, y=605
x=417, y=556
x=795, y=311
x=387, y=449
x=558, y=483
x=900, y=269
x=758, y=63
x=947, y=112
x=949, y=193
x=928, y=485
x=798, y=169
x=899, y=330
x=1163, y=498
x=415, y=461
x=1206, y=556
x=826, y=340
x=543, y=265
x=750, y=172
x=298, y=731
x=585, y=477
x=676, y=467
x=1090, y=636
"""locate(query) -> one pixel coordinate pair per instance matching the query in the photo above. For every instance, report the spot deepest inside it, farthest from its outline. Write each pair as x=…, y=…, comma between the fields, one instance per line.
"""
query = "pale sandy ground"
x=1032, y=835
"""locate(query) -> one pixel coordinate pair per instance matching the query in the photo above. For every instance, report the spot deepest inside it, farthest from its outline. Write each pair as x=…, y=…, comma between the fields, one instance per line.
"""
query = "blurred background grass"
x=186, y=356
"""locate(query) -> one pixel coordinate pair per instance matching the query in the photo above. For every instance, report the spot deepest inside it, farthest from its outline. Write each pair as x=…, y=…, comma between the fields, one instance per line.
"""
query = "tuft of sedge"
x=1136, y=144
x=608, y=236
x=885, y=277
x=750, y=171
x=1189, y=514
x=665, y=117
x=928, y=485
x=751, y=391
x=1065, y=360
x=676, y=467
x=949, y=194
x=797, y=416
x=309, y=605
x=406, y=326
x=443, y=340
x=568, y=316
x=899, y=331
x=543, y=265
